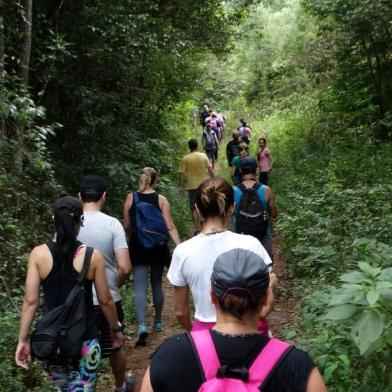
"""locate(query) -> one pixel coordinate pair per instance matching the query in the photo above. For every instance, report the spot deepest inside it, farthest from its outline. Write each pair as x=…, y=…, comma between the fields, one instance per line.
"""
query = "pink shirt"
x=264, y=160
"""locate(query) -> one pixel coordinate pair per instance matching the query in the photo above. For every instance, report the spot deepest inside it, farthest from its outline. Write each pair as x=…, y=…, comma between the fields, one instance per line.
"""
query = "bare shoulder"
x=40, y=252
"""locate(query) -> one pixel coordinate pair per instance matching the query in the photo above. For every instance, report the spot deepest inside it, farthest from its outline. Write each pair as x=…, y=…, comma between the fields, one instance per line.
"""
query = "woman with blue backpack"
x=64, y=267
x=233, y=356
x=149, y=224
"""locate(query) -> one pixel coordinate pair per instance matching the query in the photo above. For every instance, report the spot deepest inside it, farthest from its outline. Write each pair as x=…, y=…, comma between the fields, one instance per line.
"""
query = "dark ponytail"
x=66, y=221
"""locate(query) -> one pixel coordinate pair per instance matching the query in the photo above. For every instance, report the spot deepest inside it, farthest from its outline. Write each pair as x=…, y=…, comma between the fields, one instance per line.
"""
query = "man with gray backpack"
x=210, y=144
x=255, y=205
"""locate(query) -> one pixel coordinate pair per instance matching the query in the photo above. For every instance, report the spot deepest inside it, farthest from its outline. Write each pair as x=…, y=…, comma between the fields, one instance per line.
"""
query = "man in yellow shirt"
x=194, y=169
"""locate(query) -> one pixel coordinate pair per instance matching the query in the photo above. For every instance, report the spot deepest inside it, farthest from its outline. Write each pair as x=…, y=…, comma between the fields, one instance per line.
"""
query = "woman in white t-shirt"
x=193, y=260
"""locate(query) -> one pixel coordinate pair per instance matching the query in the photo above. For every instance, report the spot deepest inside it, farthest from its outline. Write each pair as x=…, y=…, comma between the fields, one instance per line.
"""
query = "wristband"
x=117, y=328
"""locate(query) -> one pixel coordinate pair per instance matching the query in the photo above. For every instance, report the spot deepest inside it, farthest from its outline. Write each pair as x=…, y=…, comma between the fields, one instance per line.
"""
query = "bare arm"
x=181, y=183
x=171, y=228
x=217, y=142
x=271, y=202
x=181, y=306
x=127, y=206
x=271, y=162
x=267, y=307
x=30, y=304
x=124, y=265
x=315, y=382
x=146, y=386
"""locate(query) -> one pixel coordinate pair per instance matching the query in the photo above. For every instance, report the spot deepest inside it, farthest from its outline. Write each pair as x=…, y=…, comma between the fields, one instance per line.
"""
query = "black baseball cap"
x=241, y=271
x=249, y=164
x=92, y=184
x=70, y=203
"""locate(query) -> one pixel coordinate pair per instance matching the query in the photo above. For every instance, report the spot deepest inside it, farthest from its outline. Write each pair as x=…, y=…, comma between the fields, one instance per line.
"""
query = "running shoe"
x=141, y=336
x=158, y=326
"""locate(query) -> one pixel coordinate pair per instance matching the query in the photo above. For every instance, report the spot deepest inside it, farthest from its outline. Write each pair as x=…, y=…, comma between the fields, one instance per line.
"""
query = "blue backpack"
x=150, y=226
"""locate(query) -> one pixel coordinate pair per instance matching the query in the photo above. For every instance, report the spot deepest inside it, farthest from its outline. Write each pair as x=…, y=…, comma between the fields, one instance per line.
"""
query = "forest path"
x=137, y=358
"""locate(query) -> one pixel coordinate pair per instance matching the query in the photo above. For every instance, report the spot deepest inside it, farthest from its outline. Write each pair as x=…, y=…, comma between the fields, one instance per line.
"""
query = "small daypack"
x=210, y=143
x=58, y=335
x=228, y=379
x=251, y=216
x=151, y=228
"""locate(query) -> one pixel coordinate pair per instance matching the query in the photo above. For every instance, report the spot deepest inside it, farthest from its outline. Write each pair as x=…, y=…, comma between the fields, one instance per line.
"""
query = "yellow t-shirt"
x=195, y=167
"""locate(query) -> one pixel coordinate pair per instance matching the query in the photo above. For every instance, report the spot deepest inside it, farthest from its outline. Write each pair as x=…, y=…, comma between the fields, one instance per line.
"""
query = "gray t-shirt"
x=105, y=233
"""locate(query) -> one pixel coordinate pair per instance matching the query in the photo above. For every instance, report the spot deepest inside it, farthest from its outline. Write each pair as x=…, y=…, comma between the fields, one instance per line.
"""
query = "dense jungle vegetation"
x=109, y=87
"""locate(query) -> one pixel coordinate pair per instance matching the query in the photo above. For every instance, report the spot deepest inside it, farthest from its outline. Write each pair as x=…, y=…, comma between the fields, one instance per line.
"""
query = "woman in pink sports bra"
x=264, y=160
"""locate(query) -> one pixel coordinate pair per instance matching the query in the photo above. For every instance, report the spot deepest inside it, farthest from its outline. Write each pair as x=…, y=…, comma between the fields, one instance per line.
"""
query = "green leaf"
x=353, y=277
x=386, y=274
x=388, y=336
x=341, y=312
x=367, y=268
x=372, y=297
x=367, y=329
x=384, y=285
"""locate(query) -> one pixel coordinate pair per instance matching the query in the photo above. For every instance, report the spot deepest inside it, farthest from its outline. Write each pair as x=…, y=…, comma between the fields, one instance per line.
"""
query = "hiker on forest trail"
x=255, y=206
x=203, y=115
x=264, y=160
x=210, y=144
x=194, y=169
x=192, y=261
x=233, y=356
x=245, y=132
x=105, y=233
x=149, y=223
x=236, y=174
x=56, y=266
x=232, y=148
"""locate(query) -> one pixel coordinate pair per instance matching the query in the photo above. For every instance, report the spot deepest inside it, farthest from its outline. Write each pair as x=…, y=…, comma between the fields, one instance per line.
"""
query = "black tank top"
x=57, y=286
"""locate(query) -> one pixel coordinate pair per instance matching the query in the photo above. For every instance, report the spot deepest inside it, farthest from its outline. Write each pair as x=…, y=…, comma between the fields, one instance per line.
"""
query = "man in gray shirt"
x=105, y=233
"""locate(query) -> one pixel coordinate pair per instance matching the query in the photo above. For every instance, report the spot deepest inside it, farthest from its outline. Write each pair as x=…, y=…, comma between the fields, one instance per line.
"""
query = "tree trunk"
x=26, y=50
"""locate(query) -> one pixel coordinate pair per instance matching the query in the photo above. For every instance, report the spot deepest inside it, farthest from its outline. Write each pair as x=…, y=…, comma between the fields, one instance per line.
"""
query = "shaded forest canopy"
x=109, y=87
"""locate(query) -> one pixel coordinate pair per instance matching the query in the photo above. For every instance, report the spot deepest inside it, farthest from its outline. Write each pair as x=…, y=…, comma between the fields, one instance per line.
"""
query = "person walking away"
x=222, y=120
x=210, y=144
x=264, y=160
x=203, y=115
x=245, y=132
x=192, y=261
x=255, y=206
x=148, y=258
x=216, y=125
x=55, y=266
x=105, y=233
x=194, y=169
x=236, y=174
x=232, y=147
x=233, y=356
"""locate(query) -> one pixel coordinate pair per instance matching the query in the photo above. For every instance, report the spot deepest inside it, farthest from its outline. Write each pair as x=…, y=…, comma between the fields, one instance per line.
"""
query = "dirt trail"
x=137, y=358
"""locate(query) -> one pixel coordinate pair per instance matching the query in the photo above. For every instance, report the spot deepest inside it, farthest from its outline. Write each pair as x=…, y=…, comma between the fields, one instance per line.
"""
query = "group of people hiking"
x=225, y=269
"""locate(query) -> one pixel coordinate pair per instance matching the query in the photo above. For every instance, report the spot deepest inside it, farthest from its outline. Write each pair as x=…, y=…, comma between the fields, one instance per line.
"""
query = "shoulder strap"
x=206, y=352
x=86, y=264
x=256, y=186
x=267, y=360
x=135, y=197
x=241, y=187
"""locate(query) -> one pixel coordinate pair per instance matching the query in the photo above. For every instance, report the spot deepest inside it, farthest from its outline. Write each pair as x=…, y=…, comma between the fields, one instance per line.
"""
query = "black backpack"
x=251, y=217
x=58, y=336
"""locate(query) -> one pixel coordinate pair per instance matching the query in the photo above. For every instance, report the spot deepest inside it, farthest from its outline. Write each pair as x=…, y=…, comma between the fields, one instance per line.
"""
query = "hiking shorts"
x=106, y=334
x=211, y=155
x=192, y=198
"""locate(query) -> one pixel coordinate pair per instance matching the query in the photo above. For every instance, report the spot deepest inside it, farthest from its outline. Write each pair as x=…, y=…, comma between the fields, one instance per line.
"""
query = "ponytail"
x=147, y=178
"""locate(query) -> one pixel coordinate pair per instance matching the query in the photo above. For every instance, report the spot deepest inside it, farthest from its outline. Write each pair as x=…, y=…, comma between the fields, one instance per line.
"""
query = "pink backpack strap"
x=207, y=354
x=266, y=361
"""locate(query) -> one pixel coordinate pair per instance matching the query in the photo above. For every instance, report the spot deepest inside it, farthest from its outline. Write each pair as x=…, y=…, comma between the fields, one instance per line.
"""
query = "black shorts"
x=192, y=198
x=105, y=339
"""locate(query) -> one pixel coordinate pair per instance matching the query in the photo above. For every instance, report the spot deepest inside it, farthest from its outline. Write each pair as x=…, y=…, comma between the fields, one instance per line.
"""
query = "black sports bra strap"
x=86, y=264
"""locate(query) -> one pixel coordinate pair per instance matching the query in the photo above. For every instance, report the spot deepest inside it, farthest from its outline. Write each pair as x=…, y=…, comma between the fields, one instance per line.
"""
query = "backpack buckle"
x=240, y=373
